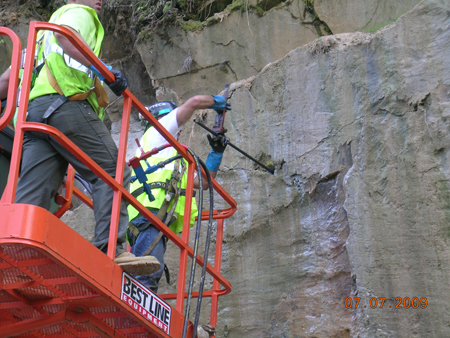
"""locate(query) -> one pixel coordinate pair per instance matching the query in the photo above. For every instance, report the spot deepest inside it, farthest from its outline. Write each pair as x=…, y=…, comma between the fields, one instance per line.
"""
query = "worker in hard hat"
x=144, y=237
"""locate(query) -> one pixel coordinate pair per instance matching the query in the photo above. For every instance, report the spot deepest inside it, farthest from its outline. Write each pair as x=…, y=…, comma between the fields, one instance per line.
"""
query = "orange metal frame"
x=47, y=269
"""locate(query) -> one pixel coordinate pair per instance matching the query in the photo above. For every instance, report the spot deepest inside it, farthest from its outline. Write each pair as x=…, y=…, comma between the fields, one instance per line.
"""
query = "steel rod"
x=227, y=141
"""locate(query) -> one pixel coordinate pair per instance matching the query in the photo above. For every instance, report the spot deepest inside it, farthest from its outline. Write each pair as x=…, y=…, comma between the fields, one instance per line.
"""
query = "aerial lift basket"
x=55, y=283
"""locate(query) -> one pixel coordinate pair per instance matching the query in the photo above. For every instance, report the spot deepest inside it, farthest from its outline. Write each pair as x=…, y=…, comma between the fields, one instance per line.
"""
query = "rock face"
x=243, y=42
x=359, y=205
x=235, y=49
x=352, y=15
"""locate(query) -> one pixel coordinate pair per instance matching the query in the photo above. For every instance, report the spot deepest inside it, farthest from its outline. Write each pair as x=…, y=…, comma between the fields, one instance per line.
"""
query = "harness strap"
x=173, y=192
x=102, y=97
x=53, y=107
x=133, y=229
x=154, y=185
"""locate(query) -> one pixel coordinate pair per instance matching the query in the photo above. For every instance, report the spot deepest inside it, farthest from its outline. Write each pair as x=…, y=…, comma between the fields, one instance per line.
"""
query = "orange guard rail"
x=38, y=231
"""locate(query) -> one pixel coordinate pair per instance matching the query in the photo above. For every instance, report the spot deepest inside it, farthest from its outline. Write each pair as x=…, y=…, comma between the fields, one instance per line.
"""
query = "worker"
x=142, y=234
x=62, y=98
x=4, y=81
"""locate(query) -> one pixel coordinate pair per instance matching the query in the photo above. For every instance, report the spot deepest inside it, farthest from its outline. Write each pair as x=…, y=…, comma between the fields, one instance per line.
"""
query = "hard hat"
x=161, y=109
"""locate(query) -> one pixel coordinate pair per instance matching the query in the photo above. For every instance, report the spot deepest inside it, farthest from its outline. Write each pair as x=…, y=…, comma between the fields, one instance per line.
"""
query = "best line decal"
x=145, y=302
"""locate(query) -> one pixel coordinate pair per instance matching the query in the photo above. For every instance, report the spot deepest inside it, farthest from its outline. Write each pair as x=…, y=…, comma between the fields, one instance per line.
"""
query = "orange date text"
x=379, y=302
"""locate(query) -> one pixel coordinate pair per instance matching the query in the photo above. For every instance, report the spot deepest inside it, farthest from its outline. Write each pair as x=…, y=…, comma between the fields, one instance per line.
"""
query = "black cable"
x=194, y=256
x=208, y=238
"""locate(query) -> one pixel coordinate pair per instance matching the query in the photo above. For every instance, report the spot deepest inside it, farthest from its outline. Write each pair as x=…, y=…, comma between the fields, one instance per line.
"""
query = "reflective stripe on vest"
x=71, y=77
x=49, y=48
x=55, y=48
x=70, y=62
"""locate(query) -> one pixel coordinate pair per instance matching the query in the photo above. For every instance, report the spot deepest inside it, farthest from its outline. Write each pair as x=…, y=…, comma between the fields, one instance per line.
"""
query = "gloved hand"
x=97, y=72
x=119, y=85
x=217, y=143
x=220, y=104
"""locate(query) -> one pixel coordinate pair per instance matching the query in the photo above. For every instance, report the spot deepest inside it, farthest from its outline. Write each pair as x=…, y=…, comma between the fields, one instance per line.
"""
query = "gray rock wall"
x=352, y=15
x=242, y=43
x=234, y=49
x=359, y=206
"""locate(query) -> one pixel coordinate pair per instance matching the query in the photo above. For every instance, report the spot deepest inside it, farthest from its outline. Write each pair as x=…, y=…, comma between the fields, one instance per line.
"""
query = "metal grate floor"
x=35, y=290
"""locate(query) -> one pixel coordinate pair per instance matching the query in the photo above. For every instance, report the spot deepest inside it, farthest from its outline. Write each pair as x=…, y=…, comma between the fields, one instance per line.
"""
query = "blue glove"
x=220, y=104
x=213, y=161
x=96, y=71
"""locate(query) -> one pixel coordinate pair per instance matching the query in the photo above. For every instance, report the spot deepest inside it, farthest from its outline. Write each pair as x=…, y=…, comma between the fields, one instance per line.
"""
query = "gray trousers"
x=45, y=162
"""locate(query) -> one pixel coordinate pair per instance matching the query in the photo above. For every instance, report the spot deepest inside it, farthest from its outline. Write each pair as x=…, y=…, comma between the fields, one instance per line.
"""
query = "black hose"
x=205, y=256
x=194, y=256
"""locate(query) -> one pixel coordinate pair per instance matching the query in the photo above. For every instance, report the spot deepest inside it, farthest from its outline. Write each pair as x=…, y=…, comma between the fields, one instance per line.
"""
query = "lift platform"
x=53, y=282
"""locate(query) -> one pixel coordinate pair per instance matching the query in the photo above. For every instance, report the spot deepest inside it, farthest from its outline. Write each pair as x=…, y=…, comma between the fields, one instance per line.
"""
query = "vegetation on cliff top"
x=12, y=10
x=190, y=14
x=137, y=19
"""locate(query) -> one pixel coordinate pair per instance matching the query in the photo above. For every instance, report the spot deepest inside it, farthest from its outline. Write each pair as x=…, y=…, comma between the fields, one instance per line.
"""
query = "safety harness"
x=154, y=185
x=49, y=47
x=102, y=97
x=173, y=192
x=38, y=64
x=97, y=88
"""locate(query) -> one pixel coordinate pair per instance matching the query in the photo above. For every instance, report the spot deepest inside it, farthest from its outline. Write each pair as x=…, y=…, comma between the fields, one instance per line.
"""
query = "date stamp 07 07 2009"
x=401, y=303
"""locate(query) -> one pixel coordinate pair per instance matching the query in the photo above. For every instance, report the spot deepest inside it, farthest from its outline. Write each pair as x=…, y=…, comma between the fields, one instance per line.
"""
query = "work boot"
x=205, y=331
x=141, y=266
x=201, y=333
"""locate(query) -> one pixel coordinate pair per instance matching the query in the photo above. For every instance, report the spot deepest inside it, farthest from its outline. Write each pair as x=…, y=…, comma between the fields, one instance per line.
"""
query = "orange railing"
x=220, y=285
x=14, y=81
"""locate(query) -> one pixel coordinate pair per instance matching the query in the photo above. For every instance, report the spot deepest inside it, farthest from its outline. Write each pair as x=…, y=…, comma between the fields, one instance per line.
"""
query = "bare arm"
x=187, y=109
x=4, y=82
x=205, y=181
x=70, y=49
x=185, y=112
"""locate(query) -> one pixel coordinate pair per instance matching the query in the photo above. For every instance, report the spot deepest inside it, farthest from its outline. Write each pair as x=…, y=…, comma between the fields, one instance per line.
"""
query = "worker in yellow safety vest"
x=145, y=238
x=69, y=96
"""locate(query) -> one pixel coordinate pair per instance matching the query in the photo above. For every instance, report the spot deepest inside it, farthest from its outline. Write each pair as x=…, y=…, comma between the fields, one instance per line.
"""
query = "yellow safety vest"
x=161, y=175
x=71, y=76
